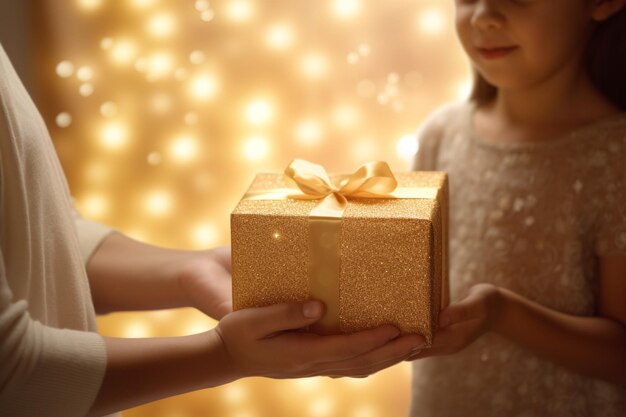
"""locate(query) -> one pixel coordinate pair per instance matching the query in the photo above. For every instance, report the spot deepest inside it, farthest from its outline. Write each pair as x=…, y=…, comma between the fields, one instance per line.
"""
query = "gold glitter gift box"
x=372, y=246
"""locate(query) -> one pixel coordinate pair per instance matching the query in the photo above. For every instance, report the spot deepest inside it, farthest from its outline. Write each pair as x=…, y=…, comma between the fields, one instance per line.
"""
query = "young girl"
x=537, y=168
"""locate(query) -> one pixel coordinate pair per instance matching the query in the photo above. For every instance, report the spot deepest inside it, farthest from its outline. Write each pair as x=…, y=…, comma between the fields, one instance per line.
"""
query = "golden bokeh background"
x=162, y=111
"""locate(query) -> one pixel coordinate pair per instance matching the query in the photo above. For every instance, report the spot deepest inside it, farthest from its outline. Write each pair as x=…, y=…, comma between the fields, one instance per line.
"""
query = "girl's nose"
x=486, y=15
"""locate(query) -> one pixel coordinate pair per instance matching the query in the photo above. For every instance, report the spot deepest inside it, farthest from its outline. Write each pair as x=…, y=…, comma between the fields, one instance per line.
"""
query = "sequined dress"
x=531, y=217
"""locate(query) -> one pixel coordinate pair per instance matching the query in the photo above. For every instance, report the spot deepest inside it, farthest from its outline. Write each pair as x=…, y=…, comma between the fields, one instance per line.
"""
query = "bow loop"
x=373, y=179
x=310, y=178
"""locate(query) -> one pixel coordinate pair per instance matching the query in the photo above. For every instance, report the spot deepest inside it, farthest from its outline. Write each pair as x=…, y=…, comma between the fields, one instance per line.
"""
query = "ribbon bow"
x=371, y=180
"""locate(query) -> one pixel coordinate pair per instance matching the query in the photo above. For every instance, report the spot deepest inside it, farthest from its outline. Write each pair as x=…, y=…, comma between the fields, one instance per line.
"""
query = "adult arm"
x=44, y=370
x=125, y=274
x=250, y=342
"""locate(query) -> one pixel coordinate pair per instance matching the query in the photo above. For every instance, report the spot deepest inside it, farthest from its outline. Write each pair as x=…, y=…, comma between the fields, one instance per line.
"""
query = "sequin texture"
x=533, y=218
x=392, y=255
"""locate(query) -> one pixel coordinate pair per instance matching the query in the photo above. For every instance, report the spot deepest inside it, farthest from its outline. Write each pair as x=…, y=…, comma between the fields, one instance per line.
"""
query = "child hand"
x=259, y=342
x=206, y=281
x=463, y=322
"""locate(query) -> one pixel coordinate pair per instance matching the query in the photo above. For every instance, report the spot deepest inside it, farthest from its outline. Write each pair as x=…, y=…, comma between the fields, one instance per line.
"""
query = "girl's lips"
x=494, y=53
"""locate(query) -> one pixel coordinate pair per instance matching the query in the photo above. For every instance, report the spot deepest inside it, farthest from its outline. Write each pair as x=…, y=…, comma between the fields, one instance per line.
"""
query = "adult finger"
x=223, y=309
x=384, y=356
x=358, y=368
x=335, y=348
x=223, y=255
x=374, y=368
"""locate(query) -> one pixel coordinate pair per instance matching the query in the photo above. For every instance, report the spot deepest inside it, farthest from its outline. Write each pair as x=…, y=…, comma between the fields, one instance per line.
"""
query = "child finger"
x=465, y=309
x=425, y=353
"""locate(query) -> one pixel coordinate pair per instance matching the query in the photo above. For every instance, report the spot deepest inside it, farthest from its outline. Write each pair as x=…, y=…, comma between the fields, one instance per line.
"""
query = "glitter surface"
x=393, y=255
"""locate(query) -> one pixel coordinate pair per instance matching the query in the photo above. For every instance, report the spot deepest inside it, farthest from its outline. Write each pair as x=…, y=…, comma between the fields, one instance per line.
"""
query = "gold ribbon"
x=371, y=180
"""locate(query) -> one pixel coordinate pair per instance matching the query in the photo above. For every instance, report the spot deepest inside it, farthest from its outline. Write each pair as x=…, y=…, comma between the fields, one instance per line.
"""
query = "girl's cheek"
x=464, y=34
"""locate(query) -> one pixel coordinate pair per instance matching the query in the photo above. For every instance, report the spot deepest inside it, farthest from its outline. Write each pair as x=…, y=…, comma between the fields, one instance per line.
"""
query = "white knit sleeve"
x=90, y=234
x=45, y=371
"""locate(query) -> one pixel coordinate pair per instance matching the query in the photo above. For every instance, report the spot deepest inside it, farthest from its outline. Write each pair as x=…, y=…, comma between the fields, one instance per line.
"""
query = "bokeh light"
x=184, y=149
x=158, y=203
x=158, y=65
x=202, y=5
x=203, y=87
x=108, y=109
x=346, y=9
x=207, y=15
x=114, y=135
x=161, y=25
x=309, y=132
x=65, y=69
x=89, y=5
x=95, y=206
x=122, y=52
x=259, y=111
x=239, y=11
x=255, y=148
x=432, y=21
x=206, y=235
x=84, y=73
x=64, y=119
x=196, y=57
x=314, y=65
x=407, y=147
x=86, y=89
x=279, y=37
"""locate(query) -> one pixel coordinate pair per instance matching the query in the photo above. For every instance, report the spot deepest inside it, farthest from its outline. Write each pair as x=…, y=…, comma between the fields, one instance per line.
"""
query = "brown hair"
x=605, y=58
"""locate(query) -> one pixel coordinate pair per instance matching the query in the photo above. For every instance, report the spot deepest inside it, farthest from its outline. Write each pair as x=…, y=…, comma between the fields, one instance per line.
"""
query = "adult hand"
x=262, y=342
x=463, y=322
x=206, y=281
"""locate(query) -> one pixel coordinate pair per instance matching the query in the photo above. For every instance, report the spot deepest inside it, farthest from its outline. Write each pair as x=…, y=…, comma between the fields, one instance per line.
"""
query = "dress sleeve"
x=90, y=234
x=611, y=222
x=45, y=371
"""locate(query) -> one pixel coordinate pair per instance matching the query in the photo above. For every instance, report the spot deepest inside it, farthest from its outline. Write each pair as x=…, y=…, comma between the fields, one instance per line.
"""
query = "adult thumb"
x=287, y=316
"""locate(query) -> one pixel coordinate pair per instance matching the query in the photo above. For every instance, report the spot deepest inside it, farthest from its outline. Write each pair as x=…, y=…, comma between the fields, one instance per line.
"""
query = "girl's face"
x=520, y=43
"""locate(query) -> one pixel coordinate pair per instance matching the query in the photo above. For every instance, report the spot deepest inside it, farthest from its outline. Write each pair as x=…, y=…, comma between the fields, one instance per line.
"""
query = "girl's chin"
x=500, y=80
